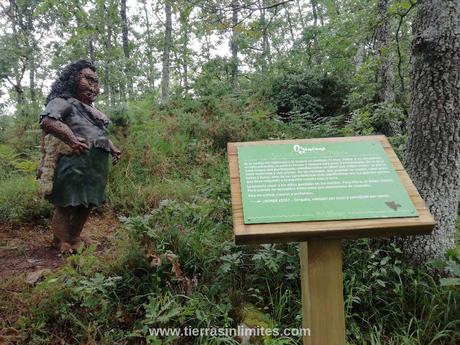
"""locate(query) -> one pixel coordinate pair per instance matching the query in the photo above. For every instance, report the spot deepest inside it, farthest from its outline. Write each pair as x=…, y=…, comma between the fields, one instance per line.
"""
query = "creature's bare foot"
x=70, y=248
x=66, y=248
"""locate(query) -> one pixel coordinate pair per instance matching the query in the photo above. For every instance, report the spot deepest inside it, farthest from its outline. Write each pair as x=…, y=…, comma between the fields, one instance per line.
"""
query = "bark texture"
x=149, y=52
x=107, y=58
x=360, y=55
x=314, y=9
x=234, y=43
x=382, y=42
x=266, y=58
x=433, y=149
x=16, y=17
x=385, y=77
x=166, y=55
x=125, y=41
x=185, y=29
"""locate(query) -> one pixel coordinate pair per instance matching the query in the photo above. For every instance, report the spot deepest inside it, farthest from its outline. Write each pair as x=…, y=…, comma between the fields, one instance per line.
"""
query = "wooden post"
x=322, y=292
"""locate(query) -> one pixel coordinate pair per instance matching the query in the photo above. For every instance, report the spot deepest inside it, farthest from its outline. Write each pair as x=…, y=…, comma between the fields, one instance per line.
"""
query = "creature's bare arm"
x=62, y=131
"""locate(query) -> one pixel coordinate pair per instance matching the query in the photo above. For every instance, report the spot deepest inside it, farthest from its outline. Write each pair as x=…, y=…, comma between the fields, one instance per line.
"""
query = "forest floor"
x=26, y=256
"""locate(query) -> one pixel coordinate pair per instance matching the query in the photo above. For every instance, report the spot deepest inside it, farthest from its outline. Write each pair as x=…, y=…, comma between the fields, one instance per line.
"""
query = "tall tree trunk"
x=125, y=41
x=291, y=26
x=90, y=27
x=16, y=19
x=359, y=56
x=300, y=11
x=313, y=45
x=314, y=9
x=234, y=43
x=385, y=75
x=177, y=67
x=107, y=83
x=382, y=42
x=320, y=12
x=107, y=54
x=149, y=53
x=185, y=63
x=91, y=49
x=32, y=71
x=433, y=148
x=166, y=55
x=124, y=28
x=185, y=28
x=265, y=41
x=31, y=49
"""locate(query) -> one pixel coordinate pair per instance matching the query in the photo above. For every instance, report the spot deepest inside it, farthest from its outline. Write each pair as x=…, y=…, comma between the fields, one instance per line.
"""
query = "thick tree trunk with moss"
x=433, y=149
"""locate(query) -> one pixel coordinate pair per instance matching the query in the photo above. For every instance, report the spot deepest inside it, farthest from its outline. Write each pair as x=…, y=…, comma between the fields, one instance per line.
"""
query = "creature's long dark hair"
x=67, y=84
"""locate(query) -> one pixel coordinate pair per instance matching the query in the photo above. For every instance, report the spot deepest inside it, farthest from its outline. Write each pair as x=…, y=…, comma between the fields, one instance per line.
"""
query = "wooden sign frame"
x=320, y=246
x=336, y=229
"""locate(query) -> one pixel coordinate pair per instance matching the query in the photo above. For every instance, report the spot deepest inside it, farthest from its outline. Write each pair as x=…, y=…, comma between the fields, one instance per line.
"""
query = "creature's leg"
x=67, y=224
x=59, y=225
x=81, y=214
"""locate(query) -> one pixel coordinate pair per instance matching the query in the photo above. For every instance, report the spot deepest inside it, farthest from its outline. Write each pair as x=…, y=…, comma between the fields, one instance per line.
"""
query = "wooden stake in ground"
x=322, y=291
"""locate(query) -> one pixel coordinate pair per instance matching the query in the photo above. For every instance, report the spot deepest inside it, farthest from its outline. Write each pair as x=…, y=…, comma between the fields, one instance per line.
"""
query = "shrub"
x=383, y=118
x=390, y=302
x=308, y=95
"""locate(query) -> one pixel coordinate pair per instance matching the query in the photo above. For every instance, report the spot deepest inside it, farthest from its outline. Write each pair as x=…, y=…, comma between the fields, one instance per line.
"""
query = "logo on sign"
x=302, y=150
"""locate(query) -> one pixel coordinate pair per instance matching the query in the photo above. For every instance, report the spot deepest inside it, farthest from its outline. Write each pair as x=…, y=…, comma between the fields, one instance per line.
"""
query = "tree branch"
x=277, y=4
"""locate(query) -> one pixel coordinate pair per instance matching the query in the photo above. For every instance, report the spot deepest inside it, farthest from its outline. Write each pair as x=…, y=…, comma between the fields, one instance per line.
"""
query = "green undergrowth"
x=20, y=201
x=174, y=263
x=178, y=267
x=166, y=155
x=19, y=159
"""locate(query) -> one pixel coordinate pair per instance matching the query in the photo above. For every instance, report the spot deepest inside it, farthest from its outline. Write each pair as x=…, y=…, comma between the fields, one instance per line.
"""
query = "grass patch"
x=20, y=200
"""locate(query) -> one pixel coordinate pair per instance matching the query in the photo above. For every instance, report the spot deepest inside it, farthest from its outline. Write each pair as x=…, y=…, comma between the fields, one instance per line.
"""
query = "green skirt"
x=80, y=180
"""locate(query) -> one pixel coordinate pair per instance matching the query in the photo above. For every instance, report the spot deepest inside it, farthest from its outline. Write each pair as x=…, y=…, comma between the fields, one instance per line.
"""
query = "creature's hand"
x=61, y=131
x=116, y=154
x=79, y=146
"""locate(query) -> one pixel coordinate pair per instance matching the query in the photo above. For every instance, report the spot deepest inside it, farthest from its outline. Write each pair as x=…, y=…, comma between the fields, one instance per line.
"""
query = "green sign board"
x=327, y=181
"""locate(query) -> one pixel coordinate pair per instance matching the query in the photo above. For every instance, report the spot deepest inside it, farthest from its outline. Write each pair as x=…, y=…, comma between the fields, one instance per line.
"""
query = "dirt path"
x=26, y=255
x=26, y=248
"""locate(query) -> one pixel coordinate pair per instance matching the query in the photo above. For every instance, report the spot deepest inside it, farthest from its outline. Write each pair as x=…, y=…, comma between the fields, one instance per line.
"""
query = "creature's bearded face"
x=88, y=87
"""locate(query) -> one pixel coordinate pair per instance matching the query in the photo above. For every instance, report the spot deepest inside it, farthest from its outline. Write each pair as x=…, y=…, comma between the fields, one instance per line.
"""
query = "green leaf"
x=450, y=281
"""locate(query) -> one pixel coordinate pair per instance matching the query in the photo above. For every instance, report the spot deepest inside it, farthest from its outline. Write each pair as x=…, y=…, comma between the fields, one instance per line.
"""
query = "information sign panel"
x=320, y=181
x=318, y=192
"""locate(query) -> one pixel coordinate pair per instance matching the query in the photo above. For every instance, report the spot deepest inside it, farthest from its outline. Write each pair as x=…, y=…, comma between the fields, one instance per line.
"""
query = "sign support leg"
x=322, y=292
